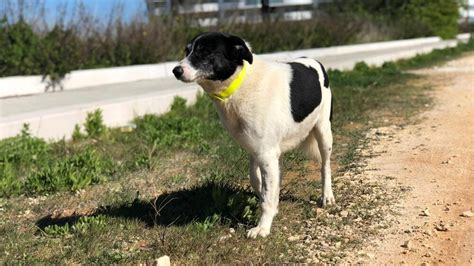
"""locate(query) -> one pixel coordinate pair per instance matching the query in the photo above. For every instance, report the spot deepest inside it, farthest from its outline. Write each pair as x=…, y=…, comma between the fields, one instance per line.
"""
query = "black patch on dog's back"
x=325, y=74
x=305, y=91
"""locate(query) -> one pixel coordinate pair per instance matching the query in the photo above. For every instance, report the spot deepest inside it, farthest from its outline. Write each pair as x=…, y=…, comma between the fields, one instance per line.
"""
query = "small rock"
x=467, y=214
x=425, y=212
x=441, y=227
x=293, y=238
x=344, y=214
x=163, y=261
x=225, y=237
x=424, y=264
x=408, y=244
x=231, y=230
x=320, y=211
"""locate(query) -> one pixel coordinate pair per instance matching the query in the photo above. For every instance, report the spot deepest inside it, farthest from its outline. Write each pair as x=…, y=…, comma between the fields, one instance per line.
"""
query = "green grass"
x=175, y=184
x=437, y=56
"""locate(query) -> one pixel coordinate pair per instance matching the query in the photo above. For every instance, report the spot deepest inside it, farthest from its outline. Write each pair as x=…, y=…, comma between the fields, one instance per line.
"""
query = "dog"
x=267, y=107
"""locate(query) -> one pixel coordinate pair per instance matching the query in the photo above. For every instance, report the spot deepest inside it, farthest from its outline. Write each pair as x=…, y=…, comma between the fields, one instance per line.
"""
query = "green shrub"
x=23, y=149
x=20, y=49
x=61, y=53
x=94, y=124
x=9, y=183
x=440, y=17
x=73, y=172
x=77, y=134
x=174, y=129
x=55, y=51
x=82, y=226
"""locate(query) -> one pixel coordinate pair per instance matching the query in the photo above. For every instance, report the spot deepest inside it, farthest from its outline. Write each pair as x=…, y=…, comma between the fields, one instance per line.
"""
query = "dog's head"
x=212, y=56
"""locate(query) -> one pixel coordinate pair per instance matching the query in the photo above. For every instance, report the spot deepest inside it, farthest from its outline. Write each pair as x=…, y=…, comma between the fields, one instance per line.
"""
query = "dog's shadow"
x=232, y=204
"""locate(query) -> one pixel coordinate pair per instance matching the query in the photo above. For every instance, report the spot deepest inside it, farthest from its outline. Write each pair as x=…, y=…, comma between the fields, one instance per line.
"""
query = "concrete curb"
x=27, y=85
x=57, y=123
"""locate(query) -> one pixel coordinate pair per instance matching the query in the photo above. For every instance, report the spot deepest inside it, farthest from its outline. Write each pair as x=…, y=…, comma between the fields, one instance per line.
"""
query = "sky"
x=99, y=8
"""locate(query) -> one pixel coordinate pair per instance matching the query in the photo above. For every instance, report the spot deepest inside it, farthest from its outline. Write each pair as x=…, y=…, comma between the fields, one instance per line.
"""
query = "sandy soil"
x=435, y=159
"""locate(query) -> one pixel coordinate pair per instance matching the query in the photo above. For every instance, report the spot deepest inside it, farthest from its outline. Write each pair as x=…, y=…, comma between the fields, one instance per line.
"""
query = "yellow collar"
x=225, y=94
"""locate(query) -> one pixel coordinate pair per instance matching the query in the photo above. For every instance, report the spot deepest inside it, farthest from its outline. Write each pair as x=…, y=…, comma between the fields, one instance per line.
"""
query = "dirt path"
x=435, y=159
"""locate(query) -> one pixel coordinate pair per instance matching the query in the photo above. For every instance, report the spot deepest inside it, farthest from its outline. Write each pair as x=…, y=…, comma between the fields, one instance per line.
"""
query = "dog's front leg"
x=270, y=172
x=255, y=177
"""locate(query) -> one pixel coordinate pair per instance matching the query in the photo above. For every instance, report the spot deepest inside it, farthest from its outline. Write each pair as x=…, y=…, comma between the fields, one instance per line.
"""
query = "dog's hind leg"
x=255, y=177
x=323, y=134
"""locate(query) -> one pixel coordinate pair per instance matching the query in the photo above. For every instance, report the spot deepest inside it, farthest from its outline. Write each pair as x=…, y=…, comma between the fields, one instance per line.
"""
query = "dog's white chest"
x=240, y=129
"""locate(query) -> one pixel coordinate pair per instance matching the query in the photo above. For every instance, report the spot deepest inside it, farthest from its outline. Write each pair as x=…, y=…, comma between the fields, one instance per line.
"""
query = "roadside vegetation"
x=177, y=184
x=33, y=46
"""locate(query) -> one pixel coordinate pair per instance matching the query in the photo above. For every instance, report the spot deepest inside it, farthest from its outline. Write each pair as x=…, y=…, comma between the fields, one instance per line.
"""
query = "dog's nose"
x=178, y=72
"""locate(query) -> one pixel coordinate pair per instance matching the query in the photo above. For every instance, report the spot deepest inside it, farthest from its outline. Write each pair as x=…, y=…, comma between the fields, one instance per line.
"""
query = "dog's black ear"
x=240, y=50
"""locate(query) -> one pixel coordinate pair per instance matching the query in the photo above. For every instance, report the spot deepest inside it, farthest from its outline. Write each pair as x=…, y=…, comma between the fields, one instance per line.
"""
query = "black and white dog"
x=268, y=107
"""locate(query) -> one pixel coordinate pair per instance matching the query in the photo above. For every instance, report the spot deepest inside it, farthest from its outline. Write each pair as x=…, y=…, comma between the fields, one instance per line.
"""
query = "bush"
x=94, y=124
x=23, y=149
x=440, y=17
x=20, y=52
x=83, y=43
x=74, y=172
x=29, y=164
x=61, y=53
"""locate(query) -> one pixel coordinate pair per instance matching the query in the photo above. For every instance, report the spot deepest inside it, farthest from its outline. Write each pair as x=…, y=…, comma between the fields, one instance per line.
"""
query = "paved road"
x=53, y=115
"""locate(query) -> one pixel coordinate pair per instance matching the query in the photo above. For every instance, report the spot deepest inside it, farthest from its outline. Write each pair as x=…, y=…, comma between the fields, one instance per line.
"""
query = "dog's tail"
x=310, y=147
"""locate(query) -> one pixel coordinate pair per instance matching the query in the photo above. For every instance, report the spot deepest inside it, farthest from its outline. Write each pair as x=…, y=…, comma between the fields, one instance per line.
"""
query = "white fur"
x=258, y=115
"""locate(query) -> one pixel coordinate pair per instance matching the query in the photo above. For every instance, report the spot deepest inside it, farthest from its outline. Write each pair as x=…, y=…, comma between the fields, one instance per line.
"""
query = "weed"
x=77, y=134
x=23, y=148
x=74, y=172
x=82, y=226
x=94, y=124
x=9, y=183
x=436, y=56
x=207, y=224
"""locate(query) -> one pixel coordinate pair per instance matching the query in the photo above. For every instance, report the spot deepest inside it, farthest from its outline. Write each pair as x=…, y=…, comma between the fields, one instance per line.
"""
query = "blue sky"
x=99, y=8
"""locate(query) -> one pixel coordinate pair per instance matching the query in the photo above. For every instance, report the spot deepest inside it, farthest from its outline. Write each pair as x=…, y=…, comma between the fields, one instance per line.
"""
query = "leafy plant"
x=20, y=53
x=439, y=16
x=73, y=172
x=59, y=59
x=9, y=183
x=81, y=226
x=77, y=134
x=94, y=124
x=208, y=223
x=23, y=148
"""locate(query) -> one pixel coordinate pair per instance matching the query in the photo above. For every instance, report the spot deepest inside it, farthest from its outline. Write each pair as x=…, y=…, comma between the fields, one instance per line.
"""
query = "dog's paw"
x=327, y=200
x=258, y=231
